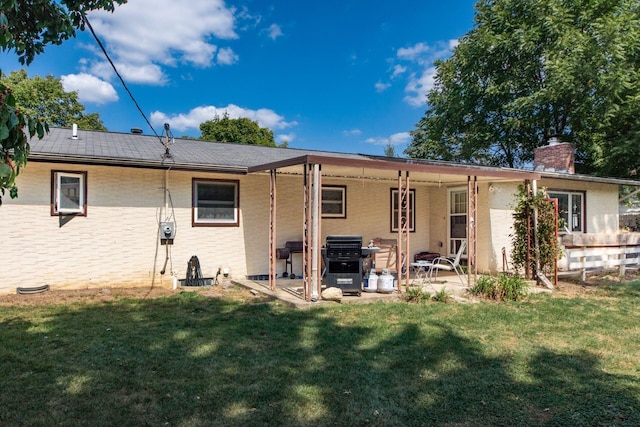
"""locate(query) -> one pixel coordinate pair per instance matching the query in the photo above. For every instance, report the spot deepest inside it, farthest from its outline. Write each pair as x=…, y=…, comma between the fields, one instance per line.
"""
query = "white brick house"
x=89, y=208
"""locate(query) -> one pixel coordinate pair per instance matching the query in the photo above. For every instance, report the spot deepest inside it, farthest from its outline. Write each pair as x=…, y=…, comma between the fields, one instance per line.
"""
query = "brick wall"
x=555, y=157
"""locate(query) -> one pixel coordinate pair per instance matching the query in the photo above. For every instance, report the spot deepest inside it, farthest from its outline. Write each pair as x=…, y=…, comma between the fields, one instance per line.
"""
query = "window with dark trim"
x=68, y=193
x=216, y=203
x=334, y=201
x=395, y=211
x=571, y=210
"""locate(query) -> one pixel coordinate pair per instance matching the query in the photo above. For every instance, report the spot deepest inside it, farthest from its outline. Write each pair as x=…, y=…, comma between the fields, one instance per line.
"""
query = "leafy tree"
x=29, y=25
x=46, y=98
x=26, y=27
x=241, y=131
x=390, y=150
x=531, y=70
x=14, y=148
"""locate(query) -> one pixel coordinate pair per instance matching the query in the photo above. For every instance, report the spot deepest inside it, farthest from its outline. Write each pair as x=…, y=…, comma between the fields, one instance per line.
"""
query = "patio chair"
x=446, y=264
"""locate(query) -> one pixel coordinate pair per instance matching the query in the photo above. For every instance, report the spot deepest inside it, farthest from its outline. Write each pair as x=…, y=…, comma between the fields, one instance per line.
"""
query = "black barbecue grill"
x=286, y=253
x=343, y=263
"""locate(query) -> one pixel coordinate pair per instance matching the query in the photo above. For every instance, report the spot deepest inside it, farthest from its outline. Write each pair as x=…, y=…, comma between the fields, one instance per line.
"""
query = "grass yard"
x=195, y=360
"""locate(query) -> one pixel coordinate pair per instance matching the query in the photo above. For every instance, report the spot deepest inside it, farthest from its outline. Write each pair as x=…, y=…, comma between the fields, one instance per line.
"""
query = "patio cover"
x=312, y=167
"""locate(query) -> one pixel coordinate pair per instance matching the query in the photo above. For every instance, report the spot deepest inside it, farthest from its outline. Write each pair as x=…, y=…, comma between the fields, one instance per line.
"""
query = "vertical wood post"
x=273, y=271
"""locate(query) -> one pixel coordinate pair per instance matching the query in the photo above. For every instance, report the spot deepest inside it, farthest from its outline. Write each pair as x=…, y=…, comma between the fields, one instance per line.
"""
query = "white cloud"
x=89, y=88
x=352, y=132
x=274, y=31
x=144, y=33
x=288, y=137
x=381, y=87
x=226, y=56
x=417, y=61
x=413, y=52
x=398, y=70
x=395, y=139
x=150, y=74
x=191, y=120
x=418, y=87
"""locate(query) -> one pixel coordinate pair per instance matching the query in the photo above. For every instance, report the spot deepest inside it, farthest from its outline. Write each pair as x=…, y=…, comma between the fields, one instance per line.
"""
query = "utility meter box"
x=167, y=232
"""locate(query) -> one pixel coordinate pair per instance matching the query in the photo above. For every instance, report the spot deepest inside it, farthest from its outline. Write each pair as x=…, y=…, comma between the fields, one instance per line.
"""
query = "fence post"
x=583, y=258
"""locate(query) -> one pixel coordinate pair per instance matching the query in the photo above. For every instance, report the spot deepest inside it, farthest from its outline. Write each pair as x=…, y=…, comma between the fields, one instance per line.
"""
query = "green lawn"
x=191, y=360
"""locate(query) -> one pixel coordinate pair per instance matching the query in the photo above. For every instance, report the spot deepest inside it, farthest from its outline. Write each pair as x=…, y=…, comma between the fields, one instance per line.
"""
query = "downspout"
x=315, y=197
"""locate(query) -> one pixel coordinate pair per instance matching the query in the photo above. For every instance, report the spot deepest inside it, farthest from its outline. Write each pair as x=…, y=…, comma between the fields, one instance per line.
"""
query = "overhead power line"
x=86, y=21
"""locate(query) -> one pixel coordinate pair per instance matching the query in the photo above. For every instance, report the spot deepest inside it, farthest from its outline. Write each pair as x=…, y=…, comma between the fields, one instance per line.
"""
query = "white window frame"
x=572, y=217
x=56, y=193
x=216, y=222
x=341, y=190
x=453, y=243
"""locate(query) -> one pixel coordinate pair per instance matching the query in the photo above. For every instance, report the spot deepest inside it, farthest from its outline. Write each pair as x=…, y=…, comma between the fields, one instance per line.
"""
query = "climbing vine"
x=523, y=247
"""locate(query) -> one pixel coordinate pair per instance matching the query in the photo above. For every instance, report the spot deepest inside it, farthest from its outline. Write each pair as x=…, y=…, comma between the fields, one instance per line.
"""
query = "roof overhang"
x=590, y=178
x=375, y=167
x=161, y=163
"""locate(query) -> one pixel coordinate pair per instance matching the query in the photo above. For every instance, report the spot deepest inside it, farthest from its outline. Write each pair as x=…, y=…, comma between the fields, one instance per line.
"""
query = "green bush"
x=415, y=294
x=442, y=296
x=503, y=287
x=511, y=287
x=485, y=286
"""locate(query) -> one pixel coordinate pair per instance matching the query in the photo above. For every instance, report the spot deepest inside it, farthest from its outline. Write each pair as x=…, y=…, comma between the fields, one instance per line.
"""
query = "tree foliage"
x=240, y=131
x=14, y=148
x=390, y=150
x=27, y=26
x=46, y=98
x=531, y=70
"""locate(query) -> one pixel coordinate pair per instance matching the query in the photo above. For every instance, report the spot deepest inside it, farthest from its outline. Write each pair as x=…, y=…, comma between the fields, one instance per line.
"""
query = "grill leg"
x=290, y=264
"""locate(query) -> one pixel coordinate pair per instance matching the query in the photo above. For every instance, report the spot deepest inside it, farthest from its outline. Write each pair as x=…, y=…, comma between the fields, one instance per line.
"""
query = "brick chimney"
x=555, y=157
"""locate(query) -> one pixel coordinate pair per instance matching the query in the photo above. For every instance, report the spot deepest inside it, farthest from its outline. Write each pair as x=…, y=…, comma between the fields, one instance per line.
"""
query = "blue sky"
x=346, y=76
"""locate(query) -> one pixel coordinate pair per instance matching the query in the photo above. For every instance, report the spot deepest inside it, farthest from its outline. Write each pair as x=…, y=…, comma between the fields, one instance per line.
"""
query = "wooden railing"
x=601, y=251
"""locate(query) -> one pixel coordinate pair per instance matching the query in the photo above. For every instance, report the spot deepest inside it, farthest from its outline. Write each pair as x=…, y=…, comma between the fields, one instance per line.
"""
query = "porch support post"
x=472, y=228
x=311, y=232
x=315, y=237
x=273, y=272
x=404, y=227
x=305, y=233
x=527, y=260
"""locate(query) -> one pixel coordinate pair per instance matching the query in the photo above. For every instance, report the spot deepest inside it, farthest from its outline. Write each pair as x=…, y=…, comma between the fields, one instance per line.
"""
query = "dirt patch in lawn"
x=571, y=287
x=113, y=294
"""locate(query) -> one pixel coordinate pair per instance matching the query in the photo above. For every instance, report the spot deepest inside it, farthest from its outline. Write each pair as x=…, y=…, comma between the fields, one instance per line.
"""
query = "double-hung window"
x=334, y=201
x=68, y=193
x=216, y=203
x=570, y=210
x=457, y=219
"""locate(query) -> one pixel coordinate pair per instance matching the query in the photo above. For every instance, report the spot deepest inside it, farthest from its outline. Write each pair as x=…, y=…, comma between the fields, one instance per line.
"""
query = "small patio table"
x=422, y=269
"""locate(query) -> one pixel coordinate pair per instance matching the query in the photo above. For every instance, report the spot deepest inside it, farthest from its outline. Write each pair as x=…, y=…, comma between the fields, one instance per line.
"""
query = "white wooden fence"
x=608, y=257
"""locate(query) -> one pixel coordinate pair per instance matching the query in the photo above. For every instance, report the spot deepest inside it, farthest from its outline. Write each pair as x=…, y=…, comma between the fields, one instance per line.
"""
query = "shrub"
x=484, y=286
x=442, y=296
x=503, y=287
x=511, y=287
x=416, y=294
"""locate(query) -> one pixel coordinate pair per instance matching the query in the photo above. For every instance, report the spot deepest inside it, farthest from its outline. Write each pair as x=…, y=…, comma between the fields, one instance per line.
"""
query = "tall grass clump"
x=442, y=296
x=416, y=294
x=503, y=287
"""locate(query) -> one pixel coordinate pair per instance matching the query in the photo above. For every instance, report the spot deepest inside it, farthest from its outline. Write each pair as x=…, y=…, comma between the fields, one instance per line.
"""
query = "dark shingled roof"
x=137, y=150
x=127, y=149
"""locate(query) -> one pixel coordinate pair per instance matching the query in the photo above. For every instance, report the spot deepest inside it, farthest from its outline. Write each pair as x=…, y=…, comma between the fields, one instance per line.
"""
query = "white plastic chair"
x=443, y=263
